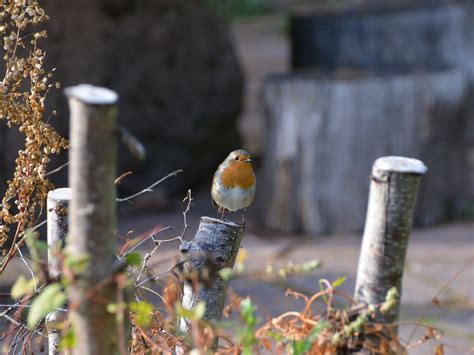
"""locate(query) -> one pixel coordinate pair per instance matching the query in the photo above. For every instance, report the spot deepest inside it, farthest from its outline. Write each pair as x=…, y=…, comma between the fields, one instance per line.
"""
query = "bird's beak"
x=248, y=160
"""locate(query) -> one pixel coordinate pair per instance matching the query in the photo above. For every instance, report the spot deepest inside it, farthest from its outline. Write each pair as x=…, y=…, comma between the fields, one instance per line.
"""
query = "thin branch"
x=39, y=225
x=29, y=269
x=156, y=294
x=189, y=198
x=145, y=260
x=153, y=278
x=61, y=167
x=151, y=235
x=135, y=147
x=438, y=292
x=150, y=188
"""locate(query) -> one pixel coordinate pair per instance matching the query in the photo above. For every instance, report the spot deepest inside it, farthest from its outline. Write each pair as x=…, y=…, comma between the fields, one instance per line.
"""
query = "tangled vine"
x=23, y=91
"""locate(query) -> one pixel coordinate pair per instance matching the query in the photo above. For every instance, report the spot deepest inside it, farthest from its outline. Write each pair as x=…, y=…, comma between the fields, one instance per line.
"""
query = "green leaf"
x=318, y=328
x=41, y=245
x=247, y=310
x=391, y=300
x=195, y=313
x=199, y=310
x=226, y=273
x=247, y=334
x=22, y=287
x=338, y=282
x=133, y=259
x=298, y=347
x=112, y=308
x=77, y=263
x=143, y=311
x=69, y=340
x=50, y=299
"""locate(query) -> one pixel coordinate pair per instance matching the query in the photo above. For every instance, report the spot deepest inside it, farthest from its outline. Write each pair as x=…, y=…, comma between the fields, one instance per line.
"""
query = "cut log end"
x=61, y=194
x=92, y=95
x=227, y=223
x=397, y=164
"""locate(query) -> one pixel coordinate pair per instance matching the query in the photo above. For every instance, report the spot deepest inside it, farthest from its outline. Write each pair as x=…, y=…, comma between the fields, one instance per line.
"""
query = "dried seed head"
x=22, y=94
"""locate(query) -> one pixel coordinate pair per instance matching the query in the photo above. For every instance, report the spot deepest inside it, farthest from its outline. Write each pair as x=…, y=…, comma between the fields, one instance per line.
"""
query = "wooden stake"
x=92, y=218
x=392, y=198
x=57, y=214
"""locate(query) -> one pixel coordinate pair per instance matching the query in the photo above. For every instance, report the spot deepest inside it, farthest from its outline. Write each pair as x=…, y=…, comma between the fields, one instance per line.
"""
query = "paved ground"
x=440, y=263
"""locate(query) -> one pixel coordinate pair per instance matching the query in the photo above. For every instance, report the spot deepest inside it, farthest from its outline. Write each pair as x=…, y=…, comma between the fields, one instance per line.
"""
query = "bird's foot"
x=243, y=218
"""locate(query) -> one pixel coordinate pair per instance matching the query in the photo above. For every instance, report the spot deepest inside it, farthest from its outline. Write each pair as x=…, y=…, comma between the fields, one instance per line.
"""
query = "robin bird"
x=234, y=184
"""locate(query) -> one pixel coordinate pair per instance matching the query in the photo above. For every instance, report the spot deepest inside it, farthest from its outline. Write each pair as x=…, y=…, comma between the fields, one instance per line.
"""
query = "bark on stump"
x=325, y=130
x=92, y=217
x=57, y=207
x=214, y=247
x=393, y=190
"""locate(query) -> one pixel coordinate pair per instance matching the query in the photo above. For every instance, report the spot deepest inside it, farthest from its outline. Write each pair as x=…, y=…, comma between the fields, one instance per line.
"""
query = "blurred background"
x=315, y=91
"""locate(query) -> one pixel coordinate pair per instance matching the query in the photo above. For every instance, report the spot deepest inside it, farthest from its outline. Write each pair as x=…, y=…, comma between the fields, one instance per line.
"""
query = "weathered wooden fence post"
x=214, y=247
x=92, y=217
x=57, y=212
x=392, y=198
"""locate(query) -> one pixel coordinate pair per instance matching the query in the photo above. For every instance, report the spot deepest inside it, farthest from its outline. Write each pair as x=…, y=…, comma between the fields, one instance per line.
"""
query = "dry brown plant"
x=23, y=92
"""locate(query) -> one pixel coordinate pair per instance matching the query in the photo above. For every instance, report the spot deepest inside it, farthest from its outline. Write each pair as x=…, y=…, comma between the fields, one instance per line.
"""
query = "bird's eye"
x=236, y=157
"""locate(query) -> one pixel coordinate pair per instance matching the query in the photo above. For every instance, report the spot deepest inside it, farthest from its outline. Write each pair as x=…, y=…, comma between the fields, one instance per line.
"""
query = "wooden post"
x=392, y=197
x=57, y=214
x=214, y=247
x=92, y=217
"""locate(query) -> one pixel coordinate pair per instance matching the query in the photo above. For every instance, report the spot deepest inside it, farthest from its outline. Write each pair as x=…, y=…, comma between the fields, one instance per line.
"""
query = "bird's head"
x=239, y=156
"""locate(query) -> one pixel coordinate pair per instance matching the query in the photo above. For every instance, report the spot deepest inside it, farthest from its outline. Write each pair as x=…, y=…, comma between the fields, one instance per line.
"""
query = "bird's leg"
x=243, y=216
x=223, y=213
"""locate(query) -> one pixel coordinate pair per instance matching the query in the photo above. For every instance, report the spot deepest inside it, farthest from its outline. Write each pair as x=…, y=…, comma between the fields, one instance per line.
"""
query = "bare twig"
x=58, y=169
x=153, y=278
x=150, y=188
x=39, y=225
x=158, y=243
x=29, y=269
x=436, y=295
x=134, y=146
x=145, y=260
x=188, y=198
x=18, y=241
x=156, y=294
x=118, y=180
x=151, y=235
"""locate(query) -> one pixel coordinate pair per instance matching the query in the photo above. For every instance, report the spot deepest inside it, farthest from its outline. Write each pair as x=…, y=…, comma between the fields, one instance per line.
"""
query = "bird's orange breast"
x=239, y=174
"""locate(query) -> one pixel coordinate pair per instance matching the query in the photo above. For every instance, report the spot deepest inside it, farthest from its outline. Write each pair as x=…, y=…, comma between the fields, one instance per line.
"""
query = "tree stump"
x=214, y=247
x=384, y=35
x=325, y=130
